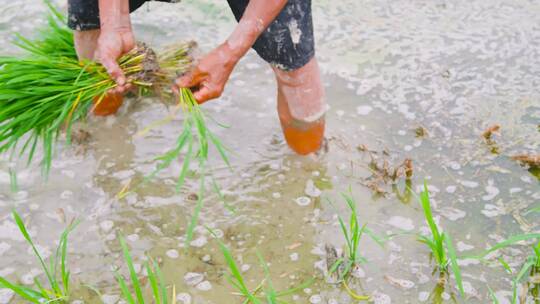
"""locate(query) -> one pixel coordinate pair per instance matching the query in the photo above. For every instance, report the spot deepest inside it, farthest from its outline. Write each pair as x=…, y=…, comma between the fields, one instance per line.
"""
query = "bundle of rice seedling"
x=45, y=91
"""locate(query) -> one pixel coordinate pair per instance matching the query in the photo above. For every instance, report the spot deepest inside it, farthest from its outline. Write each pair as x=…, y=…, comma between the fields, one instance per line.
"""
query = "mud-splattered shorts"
x=287, y=43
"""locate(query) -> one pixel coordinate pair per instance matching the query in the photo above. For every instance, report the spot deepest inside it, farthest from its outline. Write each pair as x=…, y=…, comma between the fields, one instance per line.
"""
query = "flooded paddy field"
x=416, y=80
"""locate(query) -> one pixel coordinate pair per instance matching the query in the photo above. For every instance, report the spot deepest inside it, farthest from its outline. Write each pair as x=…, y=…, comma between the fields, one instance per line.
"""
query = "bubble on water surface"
x=364, y=110
x=109, y=299
x=106, y=226
x=452, y=214
x=6, y=295
x=303, y=201
x=132, y=237
x=469, y=184
x=423, y=296
x=183, y=298
x=311, y=189
x=199, y=242
x=245, y=267
x=451, y=189
x=204, y=286
x=380, y=298
x=515, y=190
x=491, y=210
x=172, y=253
x=463, y=247
x=4, y=247
x=401, y=223
x=193, y=278
x=67, y=194
x=314, y=299
x=491, y=191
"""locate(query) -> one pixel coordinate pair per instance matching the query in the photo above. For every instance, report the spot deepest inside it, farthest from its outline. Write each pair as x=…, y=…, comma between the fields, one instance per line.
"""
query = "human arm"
x=212, y=72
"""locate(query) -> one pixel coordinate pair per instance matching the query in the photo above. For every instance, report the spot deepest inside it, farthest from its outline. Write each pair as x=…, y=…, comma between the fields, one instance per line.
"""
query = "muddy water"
x=453, y=68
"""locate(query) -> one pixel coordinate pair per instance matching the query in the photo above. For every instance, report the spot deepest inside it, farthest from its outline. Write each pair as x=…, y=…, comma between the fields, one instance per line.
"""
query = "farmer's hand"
x=210, y=74
x=111, y=45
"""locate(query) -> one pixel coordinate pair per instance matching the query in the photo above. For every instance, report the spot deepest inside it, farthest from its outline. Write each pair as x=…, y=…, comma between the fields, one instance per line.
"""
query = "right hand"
x=112, y=45
x=87, y=44
x=106, y=46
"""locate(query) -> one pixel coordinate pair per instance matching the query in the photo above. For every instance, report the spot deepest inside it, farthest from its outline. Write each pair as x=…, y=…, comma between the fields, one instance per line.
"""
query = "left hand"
x=210, y=74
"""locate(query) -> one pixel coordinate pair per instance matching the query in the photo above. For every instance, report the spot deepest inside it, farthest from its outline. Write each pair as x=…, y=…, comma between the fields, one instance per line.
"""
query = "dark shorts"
x=288, y=42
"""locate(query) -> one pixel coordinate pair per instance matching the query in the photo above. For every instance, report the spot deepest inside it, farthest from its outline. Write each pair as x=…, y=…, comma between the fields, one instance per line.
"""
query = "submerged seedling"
x=264, y=292
x=159, y=293
x=352, y=233
x=439, y=243
x=56, y=272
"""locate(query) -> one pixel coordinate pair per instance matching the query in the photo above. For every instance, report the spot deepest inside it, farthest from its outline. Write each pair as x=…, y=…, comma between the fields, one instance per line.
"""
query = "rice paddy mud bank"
x=418, y=80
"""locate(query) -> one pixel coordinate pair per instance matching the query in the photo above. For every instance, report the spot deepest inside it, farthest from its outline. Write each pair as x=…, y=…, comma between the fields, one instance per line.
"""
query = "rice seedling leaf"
x=162, y=286
x=26, y=235
x=236, y=277
x=296, y=289
x=195, y=217
x=505, y=265
x=185, y=165
x=492, y=295
x=34, y=296
x=454, y=264
x=13, y=180
x=123, y=287
x=153, y=283
x=271, y=294
x=133, y=274
x=336, y=265
x=217, y=190
x=506, y=243
x=524, y=269
x=533, y=210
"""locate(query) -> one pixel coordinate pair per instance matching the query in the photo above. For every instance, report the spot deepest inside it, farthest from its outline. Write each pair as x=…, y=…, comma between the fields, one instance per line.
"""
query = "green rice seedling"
x=531, y=265
x=47, y=89
x=55, y=40
x=56, y=272
x=234, y=277
x=513, y=299
x=269, y=294
x=439, y=243
x=13, y=180
x=533, y=210
x=352, y=233
x=159, y=293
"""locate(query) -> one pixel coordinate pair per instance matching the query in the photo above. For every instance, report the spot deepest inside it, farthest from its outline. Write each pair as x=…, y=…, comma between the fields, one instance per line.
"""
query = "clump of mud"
x=384, y=171
x=159, y=70
x=149, y=63
x=533, y=161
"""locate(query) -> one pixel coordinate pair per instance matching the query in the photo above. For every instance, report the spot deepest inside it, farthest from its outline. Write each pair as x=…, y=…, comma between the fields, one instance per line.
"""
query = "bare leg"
x=85, y=45
x=301, y=107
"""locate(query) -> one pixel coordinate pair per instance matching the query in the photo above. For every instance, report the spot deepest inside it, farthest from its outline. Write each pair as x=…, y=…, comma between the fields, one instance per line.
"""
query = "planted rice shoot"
x=440, y=243
x=56, y=272
x=352, y=234
x=264, y=292
x=159, y=294
x=531, y=269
